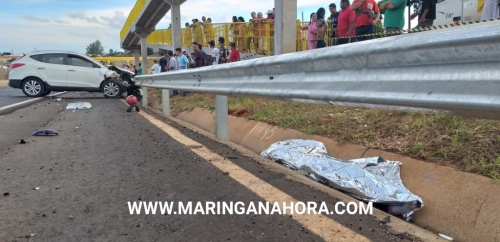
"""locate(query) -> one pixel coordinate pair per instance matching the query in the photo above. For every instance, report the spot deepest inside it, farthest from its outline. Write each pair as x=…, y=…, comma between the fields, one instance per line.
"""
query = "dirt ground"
x=4, y=83
x=471, y=145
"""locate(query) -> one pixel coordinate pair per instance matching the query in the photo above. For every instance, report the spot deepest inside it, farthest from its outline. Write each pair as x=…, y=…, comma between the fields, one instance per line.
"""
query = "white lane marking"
x=321, y=225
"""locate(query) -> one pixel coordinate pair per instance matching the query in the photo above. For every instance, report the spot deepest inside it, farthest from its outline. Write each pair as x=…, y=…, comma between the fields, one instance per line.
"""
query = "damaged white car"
x=41, y=72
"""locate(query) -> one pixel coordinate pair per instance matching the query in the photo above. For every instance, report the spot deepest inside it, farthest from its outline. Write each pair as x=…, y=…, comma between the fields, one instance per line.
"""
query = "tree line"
x=96, y=49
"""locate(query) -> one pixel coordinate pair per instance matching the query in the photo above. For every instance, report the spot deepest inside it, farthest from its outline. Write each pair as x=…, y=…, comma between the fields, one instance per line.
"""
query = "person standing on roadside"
x=322, y=26
x=426, y=12
x=215, y=52
x=312, y=32
x=139, y=70
x=203, y=55
x=394, y=16
x=235, y=53
x=172, y=62
x=491, y=10
x=223, y=52
x=197, y=54
x=334, y=16
x=346, y=24
x=156, y=68
x=367, y=16
x=163, y=62
x=182, y=60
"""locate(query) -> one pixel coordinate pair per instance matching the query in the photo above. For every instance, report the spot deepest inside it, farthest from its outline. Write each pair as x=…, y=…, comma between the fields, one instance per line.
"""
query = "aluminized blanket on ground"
x=369, y=179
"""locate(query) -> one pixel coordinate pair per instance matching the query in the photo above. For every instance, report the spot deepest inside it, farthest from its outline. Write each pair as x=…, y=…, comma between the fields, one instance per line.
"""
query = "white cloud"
x=70, y=31
x=75, y=29
x=35, y=19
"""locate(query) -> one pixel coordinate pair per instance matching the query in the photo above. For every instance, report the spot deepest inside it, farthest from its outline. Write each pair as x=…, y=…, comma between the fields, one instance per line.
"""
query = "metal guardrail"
x=451, y=70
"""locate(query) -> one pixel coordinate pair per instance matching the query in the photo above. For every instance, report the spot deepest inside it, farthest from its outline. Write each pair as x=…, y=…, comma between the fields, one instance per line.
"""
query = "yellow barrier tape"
x=418, y=29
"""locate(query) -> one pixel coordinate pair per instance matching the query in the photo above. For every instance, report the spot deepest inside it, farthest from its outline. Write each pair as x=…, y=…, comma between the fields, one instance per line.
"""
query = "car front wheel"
x=33, y=87
x=111, y=89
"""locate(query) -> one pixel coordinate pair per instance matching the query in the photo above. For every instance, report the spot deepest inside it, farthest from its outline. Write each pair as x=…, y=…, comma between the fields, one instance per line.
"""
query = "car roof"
x=52, y=52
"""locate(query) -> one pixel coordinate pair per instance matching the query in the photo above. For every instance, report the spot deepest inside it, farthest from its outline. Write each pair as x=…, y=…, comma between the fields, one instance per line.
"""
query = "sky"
x=73, y=24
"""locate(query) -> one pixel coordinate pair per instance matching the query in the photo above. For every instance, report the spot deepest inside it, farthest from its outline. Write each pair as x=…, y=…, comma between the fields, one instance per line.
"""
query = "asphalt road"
x=104, y=157
x=10, y=95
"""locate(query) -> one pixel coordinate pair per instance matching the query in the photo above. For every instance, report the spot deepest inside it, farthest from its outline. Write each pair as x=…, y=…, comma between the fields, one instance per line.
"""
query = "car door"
x=52, y=68
x=82, y=73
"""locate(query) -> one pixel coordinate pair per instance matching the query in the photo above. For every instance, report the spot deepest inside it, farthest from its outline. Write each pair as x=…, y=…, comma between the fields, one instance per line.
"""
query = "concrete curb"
x=13, y=107
x=395, y=224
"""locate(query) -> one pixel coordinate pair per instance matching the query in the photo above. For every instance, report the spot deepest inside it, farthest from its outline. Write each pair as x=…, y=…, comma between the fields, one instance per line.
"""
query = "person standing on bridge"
x=163, y=62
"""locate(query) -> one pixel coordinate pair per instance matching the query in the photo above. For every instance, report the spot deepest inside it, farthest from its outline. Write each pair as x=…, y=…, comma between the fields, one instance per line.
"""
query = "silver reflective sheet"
x=368, y=179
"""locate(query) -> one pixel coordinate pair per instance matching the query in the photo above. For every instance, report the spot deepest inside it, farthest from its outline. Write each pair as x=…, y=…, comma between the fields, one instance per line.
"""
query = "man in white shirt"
x=156, y=68
x=215, y=52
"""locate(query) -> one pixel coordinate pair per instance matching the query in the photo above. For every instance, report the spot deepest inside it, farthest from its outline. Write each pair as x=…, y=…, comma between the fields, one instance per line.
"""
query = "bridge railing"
x=134, y=13
x=452, y=71
x=252, y=38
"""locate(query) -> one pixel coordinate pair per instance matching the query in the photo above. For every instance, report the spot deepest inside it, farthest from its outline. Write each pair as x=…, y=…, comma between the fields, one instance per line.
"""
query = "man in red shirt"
x=235, y=54
x=346, y=24
x=367, y=16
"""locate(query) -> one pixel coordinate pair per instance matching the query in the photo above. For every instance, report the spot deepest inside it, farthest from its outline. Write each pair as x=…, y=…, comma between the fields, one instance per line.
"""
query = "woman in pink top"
x=312, y=32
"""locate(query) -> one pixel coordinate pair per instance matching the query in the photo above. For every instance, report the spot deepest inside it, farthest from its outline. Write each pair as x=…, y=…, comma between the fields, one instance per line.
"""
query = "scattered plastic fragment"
x=446, y=237
x=36, y=188
x=81, y=105
x=21, y=141
x=46, y=132
x=58, y=99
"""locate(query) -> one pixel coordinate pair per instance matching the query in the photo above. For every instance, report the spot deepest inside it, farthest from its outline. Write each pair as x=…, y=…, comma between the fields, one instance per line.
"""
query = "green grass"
x=471, y=145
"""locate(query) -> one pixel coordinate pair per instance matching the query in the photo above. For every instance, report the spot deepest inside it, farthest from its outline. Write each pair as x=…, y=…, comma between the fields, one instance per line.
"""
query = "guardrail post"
x=145, y=96
x=221, y=118
x=165, y=101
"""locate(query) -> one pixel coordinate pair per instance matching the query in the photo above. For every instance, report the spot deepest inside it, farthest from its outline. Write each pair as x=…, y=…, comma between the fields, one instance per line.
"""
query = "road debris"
x=80, y=105
x=21, y=141
x=46, y=132
x=446, y=237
